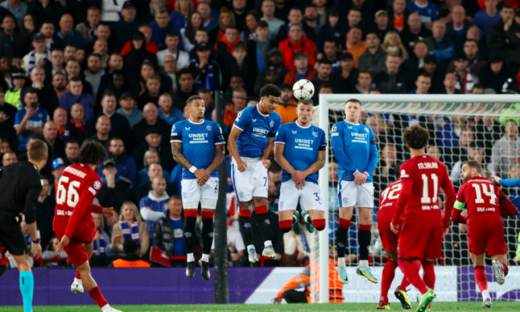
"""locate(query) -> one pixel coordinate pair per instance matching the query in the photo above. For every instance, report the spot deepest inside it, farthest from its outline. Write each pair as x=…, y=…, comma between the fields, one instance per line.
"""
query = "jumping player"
x=423, y=226
x=251, y=143
x=356, y=151
x=485, y=202
x=198, y=146
x=73, y=223
x=387, y=203
x=300, y=149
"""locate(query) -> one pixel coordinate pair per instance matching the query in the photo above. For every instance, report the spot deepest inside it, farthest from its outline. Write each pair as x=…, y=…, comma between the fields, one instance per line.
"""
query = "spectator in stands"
x=295, y=17
x=30, y=120
x=333, y=30
x=151, y=91
x=302, y=69
x=458, y=27
x=9, y=158
x=76, y=95
x=330, y=53
x=103, y=128
x=9, y=110
x=38, y=56
x=399, y=15
x=323, y=75
x=125, y=164
x=475, y=61
x=137, y=54
x=208, y=102
x=393, y=44
x=422, y=84
x=59, y=83
x=153, y=142
x=150, y=120
x=77, y=118
x=189, y=31
x=487, y=17
x=154, y=204
x=130, y=227
x=416, y=62
x=392, y=79
x=465, y=80
x=426, y=9
x=503, y=37
x=450, y=81
x=166, y=111
x=497, y=76
x=364, y=84
x=69, y=53
x=168, y=230
x=354, y=45
x=47, y=29
x=488, y=131
x=155, y=170
x=297, y=42
x=414, y=32
x=160, y=27
x=268, y=11
x=131, y=260
x=344, y=81
x=460, y=150
x=150, y=157
x=287, y=107
x=129, y=109
x=126, y=26
x=239, y=100
x=474, y=152
x=67, y=34
x=374, y=57
x=182, y=10
x=244, y=65
x=46, y=95
x=56, y=146
x=71, y=152
x=207, y=20
x=116, y=189
x=12, y=41
x=439, y=44
x=14, y=95
x=269, y=75
x=101, y=243
x=56, y=65
x=506, y=151
x=95, y=75
x=205, y=69
x=172, y=48
x=88, y=28
x=382, y=25
x=65, y=130
x=185, y=89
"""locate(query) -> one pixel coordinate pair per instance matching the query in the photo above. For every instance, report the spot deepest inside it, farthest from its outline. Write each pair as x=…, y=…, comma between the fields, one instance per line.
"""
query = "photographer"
x=31, y=119
x=21, y=186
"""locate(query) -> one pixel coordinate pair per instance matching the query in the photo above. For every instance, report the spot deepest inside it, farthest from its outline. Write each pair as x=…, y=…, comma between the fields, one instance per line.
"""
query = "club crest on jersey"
x=238, y=116
x=209, y=128
x=271, y=124
x=366, y=129
x=315, y=134
x=403, y=174
x=97, y=185
x=173, y=128
x=334, y=129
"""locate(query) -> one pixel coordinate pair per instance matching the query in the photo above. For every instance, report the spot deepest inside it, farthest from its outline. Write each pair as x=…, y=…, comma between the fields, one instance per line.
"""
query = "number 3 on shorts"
x=317, y=197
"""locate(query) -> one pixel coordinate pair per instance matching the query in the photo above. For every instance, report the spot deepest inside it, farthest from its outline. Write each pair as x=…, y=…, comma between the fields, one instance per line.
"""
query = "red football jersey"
x=388, y=202
x=482, y=199
x=425, y=175
x=77, y=187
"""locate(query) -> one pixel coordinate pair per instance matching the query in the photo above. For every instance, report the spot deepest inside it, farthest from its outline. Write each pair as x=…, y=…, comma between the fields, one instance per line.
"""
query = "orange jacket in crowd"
x=290, y=78
x=304, y=280
x=357, y=50
x=289, y=50
x=120, y=263
x=288, y=113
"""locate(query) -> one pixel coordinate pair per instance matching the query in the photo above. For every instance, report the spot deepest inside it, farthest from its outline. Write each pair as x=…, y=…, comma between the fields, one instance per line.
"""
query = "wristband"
x=193, y=169
x=37, y=241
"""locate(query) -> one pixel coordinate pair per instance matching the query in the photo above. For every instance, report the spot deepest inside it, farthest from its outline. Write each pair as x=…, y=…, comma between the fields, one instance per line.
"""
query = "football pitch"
x=439, y=306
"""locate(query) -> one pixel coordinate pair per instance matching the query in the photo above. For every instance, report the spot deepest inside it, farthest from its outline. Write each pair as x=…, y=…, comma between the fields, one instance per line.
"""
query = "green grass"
x=440, y=306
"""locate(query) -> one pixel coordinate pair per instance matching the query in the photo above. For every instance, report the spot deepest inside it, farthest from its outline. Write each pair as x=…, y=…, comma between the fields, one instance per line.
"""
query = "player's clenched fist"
x=266, y=162
x=65, y=240
x=242, y=165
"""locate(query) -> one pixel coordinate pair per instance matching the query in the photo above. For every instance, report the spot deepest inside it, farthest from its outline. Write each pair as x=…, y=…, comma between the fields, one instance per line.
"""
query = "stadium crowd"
x=120, y=72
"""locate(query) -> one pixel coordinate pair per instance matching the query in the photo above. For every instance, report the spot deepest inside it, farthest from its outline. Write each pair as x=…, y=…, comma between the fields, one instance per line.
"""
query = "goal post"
x=431, y=111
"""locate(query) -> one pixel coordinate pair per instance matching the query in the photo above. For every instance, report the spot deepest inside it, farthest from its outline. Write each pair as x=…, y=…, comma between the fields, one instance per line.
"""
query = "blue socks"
x=27, y=289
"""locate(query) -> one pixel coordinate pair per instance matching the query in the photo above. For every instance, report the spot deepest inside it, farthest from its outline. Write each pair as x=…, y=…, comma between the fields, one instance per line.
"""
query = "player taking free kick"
x=251, y=144
x=354, y=146
x=198, y=146
x=485, y=203
x=73, y=223
x=423, y=226
x=300, y=149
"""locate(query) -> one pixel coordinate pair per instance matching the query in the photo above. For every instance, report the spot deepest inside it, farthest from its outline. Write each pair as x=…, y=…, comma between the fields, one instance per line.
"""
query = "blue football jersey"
x=355, y=149
x=256, y=128
x=198, y=143
x=301, y=147
x=36, y=121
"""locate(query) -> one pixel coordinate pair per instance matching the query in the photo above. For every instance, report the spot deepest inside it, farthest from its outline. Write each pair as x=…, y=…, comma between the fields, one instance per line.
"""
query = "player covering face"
x=198, y=146
x=300, y=149
x=355, y=149
x=251, y=144
x=485, y=202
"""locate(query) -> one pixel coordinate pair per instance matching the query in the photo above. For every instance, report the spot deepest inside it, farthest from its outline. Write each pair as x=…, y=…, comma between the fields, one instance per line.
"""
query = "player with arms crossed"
x=485, y=202
x=251, y=143
x=198, y=146
x=424, y=226
x=355, y=149
x=387, y=204
x=300, y=149
x=73, y=222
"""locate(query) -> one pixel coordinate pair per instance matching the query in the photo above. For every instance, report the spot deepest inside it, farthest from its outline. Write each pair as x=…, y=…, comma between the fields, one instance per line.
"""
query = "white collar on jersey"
x=196, y=123
x=154, y=198
x=352, y=123
x=296, y=122
x=258, y=109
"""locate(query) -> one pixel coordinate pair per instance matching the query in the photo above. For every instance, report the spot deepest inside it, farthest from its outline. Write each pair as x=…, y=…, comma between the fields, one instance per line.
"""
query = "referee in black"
x=21, y=185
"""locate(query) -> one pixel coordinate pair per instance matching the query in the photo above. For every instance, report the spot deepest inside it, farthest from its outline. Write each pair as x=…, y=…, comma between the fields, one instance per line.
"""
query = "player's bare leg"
x=266, y=229
x=500, y=267
x=386, y=282
x=77, y=284
x=244, y=219
x=92, y=288
x=481, y=279
x=190, y=218
x=207, y=239
x=26, y=280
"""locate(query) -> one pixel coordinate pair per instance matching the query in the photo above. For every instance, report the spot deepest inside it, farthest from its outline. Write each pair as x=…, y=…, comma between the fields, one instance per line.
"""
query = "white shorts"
x=192, y=193
x=351, y=194
x=309, y=197
x=250, y=183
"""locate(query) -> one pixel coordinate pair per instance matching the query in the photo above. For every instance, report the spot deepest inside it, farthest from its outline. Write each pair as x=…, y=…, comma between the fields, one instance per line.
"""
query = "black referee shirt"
x=20, y=184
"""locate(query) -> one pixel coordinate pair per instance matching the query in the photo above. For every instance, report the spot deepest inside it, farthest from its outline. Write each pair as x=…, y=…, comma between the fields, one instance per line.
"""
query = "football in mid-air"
x=303, y=89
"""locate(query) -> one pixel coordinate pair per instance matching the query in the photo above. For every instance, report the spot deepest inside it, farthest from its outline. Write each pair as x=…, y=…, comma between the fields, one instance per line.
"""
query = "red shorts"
x=388, y=238
x=83, y=234
x=488, y=236
x=421, y=243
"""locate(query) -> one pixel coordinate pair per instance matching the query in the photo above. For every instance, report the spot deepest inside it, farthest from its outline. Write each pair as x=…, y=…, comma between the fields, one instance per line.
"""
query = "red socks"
x=95, y=293
x=193, y=213
x=261, y=209
x=388, y=277
x=319, y=224
x=480, y=278
x=365, y=227
x=405, y=282
x=77, y=275
x=286, y=225
x=244, y=213
x=207, y=214
x=506, y=269
x=429, y=273
x=411, y=272
x=344, y=223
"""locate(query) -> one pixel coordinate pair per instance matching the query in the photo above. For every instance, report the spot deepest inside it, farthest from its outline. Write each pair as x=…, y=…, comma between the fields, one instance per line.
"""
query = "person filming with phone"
x=30, y=119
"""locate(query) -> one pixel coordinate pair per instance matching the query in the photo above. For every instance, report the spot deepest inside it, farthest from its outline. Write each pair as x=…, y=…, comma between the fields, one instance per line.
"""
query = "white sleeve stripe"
x=279, y=143
x=177, y=141
x=235, y=126
x=220, y=143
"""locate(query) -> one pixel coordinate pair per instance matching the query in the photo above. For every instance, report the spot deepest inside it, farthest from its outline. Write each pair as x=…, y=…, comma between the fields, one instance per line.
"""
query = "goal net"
x=461, y=127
